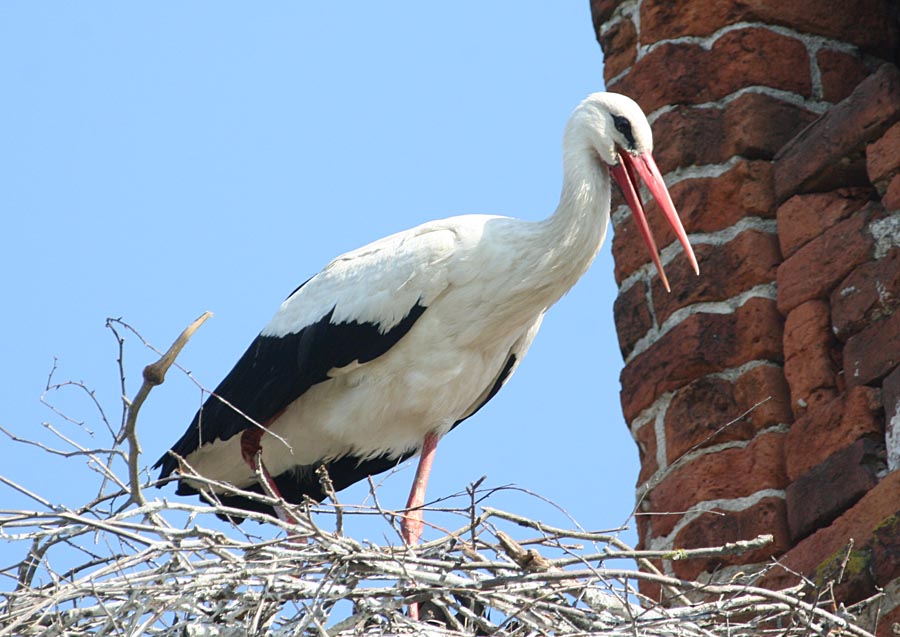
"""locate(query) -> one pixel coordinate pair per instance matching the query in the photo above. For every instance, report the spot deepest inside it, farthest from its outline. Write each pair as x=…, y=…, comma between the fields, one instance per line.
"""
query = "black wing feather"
x=275, y=371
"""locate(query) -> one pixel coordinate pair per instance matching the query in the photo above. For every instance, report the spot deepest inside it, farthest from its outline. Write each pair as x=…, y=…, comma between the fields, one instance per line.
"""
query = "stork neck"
x=576, y=230
x=542, y=260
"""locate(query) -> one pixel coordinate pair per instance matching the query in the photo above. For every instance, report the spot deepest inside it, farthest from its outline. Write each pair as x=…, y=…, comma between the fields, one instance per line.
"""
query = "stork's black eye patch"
x=624, y=126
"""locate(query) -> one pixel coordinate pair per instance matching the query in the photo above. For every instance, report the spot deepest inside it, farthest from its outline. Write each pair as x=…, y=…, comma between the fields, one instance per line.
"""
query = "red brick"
x=753, y=126
x=886, y=551
x=874, y=352
x=700, y=345
x=619, y=44
x=891, y=198
x=643, y=522
x=705, y=205
x=868, y=294
x=810, y=354
x=889, y=623
x=646, y=443
x=857, y=582
x=602, y=10
x=890, y=393
x=831, y=427
x=710, y=411
x=652, y=590
x=865, y=23
x=768, y=516
x=764, y=383
x=883, y=158
x=840, y=73
x=728, y=474
x=804, y=217
x=849, y=473
x=807, y=327
x=829, y=153
x=633, y=318
x=748, y=260
x=818, y=397
x=816, y=554
x=816, y=268
x=689, y=74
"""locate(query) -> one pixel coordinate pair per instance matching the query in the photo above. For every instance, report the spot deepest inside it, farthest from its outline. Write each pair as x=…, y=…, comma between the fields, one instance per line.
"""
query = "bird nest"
x=135, y=572
x=126, y=564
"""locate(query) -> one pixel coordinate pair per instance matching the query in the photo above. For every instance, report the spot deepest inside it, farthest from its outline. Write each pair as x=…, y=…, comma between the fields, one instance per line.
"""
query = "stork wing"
x=349, y=469
x=353, y=311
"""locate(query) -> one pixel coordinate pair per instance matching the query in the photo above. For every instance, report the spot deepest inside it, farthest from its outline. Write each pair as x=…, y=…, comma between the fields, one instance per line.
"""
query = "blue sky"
x=160, y=160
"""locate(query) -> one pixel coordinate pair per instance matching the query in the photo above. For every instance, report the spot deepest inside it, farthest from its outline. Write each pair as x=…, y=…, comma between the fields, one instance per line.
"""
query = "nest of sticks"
x=135, y=572
x=126, y=564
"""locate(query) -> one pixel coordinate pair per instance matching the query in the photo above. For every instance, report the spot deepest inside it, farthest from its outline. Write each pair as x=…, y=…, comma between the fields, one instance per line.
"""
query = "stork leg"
x=251, y=452
x=412, y=524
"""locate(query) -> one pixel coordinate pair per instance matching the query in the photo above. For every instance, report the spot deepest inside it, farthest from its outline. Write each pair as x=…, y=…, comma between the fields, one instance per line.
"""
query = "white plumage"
x=435, y=375
x=393, y=344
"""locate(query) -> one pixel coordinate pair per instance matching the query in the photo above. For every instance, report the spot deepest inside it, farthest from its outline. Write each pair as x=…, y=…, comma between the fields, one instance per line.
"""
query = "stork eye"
x=624, y=127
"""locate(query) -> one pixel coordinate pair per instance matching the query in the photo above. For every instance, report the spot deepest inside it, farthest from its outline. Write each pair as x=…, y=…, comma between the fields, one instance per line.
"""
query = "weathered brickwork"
x=764, y=396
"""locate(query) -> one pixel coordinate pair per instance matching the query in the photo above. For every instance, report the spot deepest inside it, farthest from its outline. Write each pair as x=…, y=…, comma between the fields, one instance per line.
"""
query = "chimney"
x=764, y=396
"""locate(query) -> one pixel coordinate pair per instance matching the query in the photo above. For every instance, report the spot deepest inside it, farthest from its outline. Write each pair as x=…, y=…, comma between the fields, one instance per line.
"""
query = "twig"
x=328, y=489
x=594, y=537
x=154, y=374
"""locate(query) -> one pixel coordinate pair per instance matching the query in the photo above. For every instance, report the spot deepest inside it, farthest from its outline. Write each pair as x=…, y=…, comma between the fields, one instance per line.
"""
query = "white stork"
x=387, y=349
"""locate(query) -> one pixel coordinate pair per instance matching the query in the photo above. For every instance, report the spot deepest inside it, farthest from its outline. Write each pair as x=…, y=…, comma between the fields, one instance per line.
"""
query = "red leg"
x=251, y=451
x=412, y=524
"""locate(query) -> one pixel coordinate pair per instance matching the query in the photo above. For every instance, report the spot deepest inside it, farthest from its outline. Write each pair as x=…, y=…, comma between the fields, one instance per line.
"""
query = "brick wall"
x=764, y=396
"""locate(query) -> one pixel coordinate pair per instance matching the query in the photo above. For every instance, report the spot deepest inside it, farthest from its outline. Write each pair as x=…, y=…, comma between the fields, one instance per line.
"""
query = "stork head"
x=617, y=132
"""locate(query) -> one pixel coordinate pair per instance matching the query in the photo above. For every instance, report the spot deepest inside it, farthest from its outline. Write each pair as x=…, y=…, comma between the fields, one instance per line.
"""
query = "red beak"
x=626, y=175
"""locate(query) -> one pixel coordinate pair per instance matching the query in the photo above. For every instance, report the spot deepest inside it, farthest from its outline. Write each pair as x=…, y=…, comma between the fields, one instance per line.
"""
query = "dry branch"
x=154, y=374
x=169, y=569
